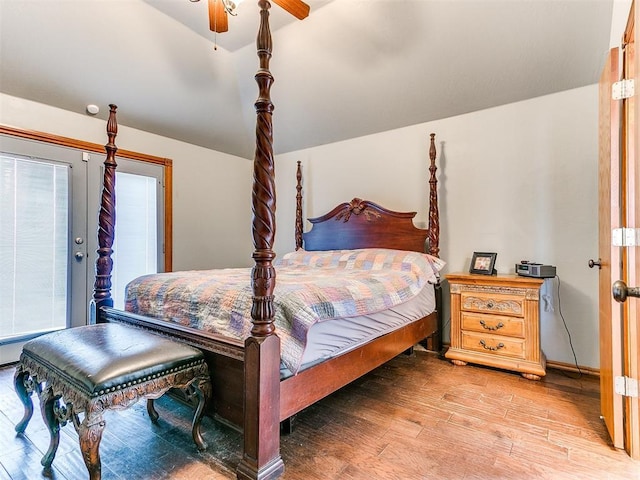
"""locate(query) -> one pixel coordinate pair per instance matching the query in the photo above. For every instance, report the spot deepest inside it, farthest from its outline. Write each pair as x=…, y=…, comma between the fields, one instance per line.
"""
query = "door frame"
x=631, y=254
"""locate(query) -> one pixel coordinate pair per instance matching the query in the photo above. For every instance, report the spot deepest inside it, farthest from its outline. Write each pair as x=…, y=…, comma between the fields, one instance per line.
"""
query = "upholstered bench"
x=88, y=370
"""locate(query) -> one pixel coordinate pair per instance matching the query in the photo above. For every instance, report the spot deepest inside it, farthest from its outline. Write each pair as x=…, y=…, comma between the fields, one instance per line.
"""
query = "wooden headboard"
x=364, y=224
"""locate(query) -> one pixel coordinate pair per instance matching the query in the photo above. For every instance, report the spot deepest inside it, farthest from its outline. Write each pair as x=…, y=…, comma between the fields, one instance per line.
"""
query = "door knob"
x=79, y=256
x=593, y=263
x=621, y=291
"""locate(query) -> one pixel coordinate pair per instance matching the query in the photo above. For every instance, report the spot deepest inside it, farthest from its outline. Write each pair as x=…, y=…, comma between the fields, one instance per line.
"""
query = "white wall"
x=519, y=180
x=619, y=16
x=211, y=190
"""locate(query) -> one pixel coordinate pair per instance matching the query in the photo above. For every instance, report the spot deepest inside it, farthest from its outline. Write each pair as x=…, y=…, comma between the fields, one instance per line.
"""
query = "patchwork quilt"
x=310, y=287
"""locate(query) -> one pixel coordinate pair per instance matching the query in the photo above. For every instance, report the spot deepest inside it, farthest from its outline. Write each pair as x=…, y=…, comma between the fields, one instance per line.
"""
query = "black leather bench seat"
x=83, y=371
x=102, y=358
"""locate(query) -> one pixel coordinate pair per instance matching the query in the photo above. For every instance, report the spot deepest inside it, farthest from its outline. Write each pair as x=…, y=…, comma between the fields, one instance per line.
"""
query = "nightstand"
x=495, y=321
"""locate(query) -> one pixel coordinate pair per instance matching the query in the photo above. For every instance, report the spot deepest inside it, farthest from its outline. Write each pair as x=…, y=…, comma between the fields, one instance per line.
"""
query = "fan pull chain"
x=215, y=31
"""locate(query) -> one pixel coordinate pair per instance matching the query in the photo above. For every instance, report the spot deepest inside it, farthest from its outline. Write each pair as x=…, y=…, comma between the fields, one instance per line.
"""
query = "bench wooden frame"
x=63, y=398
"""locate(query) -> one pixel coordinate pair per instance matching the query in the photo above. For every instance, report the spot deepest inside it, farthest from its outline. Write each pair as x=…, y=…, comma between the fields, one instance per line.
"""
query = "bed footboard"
x=224, y=357
x=229, y=347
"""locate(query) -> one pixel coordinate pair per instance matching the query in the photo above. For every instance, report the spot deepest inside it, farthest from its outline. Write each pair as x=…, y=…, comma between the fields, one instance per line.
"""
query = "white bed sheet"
x=335, y=337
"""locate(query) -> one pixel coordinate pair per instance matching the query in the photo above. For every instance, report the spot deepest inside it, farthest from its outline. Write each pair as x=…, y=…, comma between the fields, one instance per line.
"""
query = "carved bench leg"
x=151, y=410
x=24, y=388
x=47, y=407
x=90, y=434
x=202, y=388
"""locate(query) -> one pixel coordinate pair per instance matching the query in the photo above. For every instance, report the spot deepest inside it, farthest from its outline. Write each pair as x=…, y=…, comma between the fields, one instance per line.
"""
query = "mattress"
x=334, y=337
x=311, y=287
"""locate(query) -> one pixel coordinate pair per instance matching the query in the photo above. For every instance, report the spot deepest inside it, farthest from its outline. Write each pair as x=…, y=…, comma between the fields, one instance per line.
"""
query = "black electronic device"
x=537, y=270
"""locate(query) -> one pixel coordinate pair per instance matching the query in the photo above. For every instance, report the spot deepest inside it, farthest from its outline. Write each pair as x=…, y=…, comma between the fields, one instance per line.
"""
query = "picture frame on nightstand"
x=483, y=263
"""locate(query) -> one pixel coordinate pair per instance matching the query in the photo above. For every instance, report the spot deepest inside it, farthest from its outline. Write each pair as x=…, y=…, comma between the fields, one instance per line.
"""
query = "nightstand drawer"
x=493, y=324
x=493, y=344
x=489, y=302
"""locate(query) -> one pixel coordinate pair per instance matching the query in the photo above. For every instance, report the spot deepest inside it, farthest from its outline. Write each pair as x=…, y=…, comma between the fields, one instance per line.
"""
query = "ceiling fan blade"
x=297, y=8
x=218, y=21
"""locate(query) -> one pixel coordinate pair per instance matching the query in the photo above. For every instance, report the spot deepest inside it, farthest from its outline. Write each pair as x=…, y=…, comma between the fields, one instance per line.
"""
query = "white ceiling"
x=352, y=68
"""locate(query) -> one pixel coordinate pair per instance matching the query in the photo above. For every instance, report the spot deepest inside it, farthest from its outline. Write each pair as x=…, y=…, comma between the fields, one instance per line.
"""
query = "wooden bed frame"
x=247, y=390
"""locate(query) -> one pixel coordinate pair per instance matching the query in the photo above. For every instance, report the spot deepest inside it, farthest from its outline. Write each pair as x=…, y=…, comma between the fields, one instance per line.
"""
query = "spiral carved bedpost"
x=106, y=223
x=261, y=457
x=433, y=237
x=434, y=222
x=299, y=206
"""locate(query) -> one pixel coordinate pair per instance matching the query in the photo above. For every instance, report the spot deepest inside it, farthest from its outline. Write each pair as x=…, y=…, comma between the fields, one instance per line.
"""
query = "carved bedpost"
x=106, y=223
x=299, y=207
x=434, y=243
x=261, y=458
x=434, y=221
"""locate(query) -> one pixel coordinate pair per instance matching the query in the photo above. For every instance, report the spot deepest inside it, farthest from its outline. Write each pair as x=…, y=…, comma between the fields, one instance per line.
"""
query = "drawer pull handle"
x=489, y=347
x=491, y=327
x=490, y=305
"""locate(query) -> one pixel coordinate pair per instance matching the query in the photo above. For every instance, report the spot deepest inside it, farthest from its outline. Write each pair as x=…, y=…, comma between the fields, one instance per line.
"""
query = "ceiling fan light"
x=231, y=6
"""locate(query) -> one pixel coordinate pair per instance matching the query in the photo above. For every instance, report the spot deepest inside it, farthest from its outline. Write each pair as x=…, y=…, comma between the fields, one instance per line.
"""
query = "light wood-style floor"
x=417, y=417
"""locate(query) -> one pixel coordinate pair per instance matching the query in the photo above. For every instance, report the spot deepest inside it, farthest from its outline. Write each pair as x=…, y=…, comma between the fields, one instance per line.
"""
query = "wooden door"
x=609, y=214
x=619, y=178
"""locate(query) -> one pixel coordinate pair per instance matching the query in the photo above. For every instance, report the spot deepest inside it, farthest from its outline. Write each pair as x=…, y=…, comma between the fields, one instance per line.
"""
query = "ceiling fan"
x=220, y=9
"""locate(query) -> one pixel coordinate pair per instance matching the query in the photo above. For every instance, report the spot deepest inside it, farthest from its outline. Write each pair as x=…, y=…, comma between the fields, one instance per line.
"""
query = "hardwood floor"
x=417, y=417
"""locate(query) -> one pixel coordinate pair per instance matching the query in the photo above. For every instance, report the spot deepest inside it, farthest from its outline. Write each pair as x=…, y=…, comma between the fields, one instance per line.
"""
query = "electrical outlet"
x=547, y=301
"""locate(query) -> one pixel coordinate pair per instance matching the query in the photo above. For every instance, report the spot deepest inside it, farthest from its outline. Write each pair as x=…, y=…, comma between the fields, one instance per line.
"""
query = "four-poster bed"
x=249, y=389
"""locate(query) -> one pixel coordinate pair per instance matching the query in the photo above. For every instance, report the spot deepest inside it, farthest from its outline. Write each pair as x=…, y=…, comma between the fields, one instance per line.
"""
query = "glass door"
x=43, y=230
x=138, y=248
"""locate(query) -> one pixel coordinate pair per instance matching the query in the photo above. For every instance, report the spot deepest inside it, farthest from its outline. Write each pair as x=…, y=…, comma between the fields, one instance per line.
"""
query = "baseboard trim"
x=570, y=367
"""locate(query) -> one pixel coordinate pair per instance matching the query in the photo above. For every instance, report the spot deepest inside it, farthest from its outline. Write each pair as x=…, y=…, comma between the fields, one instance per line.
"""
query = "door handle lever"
x=621, y=291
